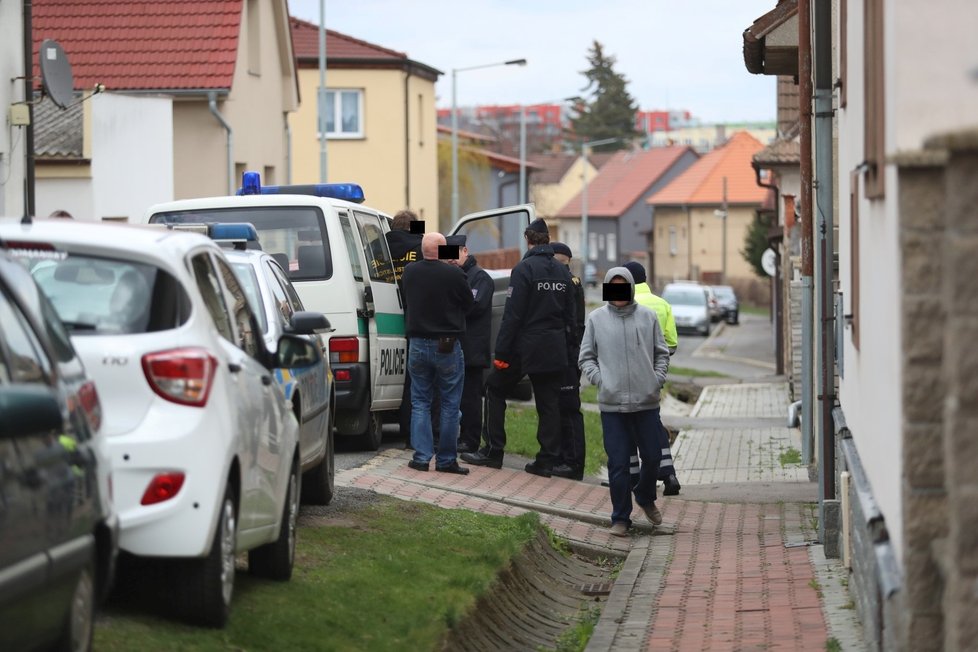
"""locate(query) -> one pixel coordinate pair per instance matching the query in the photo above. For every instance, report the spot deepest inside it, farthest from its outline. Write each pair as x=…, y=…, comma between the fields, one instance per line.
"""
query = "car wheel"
x=80, y=620
x=274, y=560
x=736, y=319
x=705, y=331
x=204, y=590
x=370, y=438
x=318, y=483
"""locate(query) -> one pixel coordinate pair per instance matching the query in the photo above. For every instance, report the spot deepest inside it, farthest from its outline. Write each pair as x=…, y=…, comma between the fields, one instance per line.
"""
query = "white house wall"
x=72, y=194
x=132, y=154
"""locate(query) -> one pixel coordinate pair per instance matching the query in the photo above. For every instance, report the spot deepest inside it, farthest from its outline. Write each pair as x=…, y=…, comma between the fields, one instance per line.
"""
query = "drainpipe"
x=29, y=99
x=288, y=150
x=407, y=144
x=689, y=244
x=807, y=271
x=212, y=104
x=825, y=287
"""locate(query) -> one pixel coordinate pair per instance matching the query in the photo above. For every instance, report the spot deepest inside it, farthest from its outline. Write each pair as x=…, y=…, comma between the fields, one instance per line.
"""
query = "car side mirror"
x=27, y=410
x=307, y=322
x=296, y=352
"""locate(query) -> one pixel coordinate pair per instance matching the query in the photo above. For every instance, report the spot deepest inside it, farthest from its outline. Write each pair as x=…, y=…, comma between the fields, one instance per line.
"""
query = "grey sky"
x=676, y=54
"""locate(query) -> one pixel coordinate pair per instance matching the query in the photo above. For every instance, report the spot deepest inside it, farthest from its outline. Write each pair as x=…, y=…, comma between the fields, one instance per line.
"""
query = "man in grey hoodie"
x=624, y=354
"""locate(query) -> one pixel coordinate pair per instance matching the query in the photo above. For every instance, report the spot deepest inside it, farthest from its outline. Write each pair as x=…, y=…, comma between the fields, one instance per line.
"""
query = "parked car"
x=716, y=312
x=58, y=530
x=309, y=389
x=690, y=306
x=729, y=306
x=203, y=444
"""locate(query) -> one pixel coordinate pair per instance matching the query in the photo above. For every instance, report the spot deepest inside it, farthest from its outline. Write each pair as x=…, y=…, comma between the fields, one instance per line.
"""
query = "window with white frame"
x=673, y=247
x=612, y=246
x=592, y=245
x=344, y=113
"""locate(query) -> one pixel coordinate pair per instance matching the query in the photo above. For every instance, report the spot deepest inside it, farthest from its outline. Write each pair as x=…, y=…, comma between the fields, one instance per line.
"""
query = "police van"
x=335, y=252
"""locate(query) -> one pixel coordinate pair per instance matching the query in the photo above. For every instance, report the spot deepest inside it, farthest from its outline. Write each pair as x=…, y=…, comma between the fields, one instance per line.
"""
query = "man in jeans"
x=439, y=296
x=625, y=356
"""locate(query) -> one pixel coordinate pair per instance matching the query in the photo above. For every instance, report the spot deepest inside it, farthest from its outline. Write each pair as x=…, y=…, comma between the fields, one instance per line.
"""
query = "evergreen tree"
x=606, y=110
x=756, y=242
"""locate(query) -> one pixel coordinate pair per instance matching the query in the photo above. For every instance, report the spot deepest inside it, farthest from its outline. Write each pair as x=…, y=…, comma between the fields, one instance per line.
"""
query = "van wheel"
x=370, y=438
x=80, y=619
x=274, y=560
x=203, y=591
x=318, y=483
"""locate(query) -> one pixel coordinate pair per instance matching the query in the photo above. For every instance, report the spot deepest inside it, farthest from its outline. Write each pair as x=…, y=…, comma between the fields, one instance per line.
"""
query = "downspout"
x=29, y=100
x=825, y=316
x=807, y=309
x=778, y=311
x=212, y=105
x=689, y=243
x=288, y=150
x=407, y=143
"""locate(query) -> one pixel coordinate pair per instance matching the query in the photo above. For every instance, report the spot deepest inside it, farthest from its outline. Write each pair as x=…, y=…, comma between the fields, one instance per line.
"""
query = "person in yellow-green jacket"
x=645, y=297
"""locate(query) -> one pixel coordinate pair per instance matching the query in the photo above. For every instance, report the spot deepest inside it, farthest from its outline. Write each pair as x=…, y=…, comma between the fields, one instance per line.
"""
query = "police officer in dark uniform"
x=534, y=339
x=475, y=345
x=571, y=418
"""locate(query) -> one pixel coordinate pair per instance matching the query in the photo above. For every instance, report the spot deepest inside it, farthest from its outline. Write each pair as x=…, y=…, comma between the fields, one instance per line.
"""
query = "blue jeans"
x=432, y=372
x=623, y=432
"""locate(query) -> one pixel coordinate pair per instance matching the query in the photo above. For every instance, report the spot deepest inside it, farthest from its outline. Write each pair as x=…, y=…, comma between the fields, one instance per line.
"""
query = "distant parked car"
x=203, y=444
x=690, y=306
x=58, y=530
x=310, y=388
x=729, y=306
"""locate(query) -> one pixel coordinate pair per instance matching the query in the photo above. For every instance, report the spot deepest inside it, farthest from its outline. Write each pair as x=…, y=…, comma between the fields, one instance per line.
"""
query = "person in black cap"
x=534, y=339
x=571, y=419
x=475, y=345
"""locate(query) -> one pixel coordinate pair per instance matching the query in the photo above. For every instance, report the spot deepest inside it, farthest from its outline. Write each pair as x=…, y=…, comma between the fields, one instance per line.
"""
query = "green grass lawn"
x=393, y=576
x=689, y=371
x=764, y=311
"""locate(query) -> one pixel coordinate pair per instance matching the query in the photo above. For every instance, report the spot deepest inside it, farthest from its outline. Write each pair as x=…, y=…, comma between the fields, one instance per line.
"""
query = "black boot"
x=672, y=486
x=479, y=458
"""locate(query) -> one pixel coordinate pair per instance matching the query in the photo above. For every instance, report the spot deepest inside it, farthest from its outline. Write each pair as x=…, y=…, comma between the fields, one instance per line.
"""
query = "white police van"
x=335, y=252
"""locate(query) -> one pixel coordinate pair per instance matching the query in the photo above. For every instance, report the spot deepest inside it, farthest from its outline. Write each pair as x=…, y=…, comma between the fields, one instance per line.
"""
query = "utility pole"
x=322, y=91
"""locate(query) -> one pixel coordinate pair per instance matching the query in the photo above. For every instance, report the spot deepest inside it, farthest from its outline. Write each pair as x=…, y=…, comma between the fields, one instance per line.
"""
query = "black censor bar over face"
x=447, y=252
x=616, y=292
x=417, y=226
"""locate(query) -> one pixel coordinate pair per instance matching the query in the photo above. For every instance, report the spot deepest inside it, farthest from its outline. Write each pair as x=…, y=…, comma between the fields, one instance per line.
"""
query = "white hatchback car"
x=202, y=442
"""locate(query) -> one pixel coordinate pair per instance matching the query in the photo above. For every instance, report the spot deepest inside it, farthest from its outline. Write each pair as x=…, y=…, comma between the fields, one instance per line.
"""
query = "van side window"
x=375, y=248
x=351, y=247
x=210, y=292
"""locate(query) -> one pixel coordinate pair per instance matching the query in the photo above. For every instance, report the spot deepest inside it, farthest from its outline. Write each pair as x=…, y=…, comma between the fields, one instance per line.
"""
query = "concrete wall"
x=396, y=168
x=12, y=139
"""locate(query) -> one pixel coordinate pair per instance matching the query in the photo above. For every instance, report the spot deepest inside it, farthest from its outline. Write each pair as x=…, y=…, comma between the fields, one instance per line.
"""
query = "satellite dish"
x=769, y=262
x=56, y=76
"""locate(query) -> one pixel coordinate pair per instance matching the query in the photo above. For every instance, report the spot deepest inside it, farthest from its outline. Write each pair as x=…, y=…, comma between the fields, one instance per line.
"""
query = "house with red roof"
x=380, y=123
x=618, y=216
x=558, y=179
x=688, y=239
x=226, y=68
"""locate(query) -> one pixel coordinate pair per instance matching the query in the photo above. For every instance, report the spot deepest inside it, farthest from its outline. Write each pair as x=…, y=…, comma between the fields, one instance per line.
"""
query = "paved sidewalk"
x=714, y=576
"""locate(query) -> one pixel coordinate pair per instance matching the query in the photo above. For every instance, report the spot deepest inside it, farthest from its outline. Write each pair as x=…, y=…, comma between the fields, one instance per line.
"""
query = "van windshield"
x=296, y=232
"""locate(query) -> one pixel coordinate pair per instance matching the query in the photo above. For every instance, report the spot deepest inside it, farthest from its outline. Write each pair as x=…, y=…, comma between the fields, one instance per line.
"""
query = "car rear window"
x=296, y=232
x=692, y=297
x=103, y=296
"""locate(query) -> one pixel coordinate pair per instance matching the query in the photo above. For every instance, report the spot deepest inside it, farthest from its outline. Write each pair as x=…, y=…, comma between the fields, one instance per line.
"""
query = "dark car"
x=58, y=531
x=729, y=306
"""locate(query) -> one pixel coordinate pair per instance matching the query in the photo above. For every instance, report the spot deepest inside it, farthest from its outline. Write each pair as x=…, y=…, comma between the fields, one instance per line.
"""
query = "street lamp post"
x=584, y=239
x=722, y=214
x=455, y=71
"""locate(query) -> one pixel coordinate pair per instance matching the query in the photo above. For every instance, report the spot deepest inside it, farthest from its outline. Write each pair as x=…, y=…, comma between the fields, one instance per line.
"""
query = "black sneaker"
x=672, y=486
x=479, y=459
x=418, y=466
x=567, y=471
x=452, y=468
x=537, y=469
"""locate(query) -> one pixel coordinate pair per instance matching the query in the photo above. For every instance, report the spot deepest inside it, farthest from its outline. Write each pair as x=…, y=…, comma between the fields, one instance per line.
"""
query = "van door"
x=495, y=238
x=385, y=321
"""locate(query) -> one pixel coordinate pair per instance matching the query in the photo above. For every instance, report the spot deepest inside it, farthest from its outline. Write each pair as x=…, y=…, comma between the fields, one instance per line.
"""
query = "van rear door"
x=384, y=315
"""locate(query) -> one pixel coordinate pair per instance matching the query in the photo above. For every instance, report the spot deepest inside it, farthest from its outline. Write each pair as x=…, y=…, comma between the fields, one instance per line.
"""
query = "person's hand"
x=500, y=364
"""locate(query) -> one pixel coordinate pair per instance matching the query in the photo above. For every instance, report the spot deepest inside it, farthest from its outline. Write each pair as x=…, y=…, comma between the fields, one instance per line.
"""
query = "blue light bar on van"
x=351, y=192
x=233, y=231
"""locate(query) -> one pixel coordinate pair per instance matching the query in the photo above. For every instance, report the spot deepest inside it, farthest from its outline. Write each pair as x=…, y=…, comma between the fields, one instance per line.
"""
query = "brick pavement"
x=714, y=576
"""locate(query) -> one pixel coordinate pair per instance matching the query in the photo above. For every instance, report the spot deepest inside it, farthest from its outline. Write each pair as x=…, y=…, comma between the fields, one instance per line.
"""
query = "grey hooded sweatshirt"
x=624, y=353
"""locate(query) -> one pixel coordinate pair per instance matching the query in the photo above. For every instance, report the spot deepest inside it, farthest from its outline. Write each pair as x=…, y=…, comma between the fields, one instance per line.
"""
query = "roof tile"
x=702, y=182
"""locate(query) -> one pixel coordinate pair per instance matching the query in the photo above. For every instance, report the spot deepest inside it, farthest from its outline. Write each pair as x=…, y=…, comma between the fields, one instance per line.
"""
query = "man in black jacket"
x=571, y=418
x=475, y=345
x=439, y=297
x=534, y=339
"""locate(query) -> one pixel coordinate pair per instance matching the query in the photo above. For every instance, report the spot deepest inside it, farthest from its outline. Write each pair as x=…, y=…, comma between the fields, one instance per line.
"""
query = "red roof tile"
x=143, y=45
x=702, y=183
x=305, y=40
x=623, y=180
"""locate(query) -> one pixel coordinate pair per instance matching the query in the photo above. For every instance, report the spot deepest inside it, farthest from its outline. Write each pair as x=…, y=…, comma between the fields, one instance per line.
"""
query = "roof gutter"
x=212, y=105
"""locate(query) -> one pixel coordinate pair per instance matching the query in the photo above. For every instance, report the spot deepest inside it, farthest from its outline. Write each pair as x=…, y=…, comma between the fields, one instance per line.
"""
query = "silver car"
x=690, y=306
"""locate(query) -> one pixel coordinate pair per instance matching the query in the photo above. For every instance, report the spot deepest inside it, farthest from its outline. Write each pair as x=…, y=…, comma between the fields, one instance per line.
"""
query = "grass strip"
x=393, y=576
x=521, y=437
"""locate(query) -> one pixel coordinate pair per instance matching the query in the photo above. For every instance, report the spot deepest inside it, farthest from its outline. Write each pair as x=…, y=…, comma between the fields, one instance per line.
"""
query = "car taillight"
x=342, y=374
x=344, y=349
x=183, y=376
x=90, y=404
x=162, y=487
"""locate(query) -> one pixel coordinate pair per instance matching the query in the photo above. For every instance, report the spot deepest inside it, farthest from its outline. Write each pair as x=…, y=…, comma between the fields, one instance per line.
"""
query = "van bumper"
x=351, y=394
